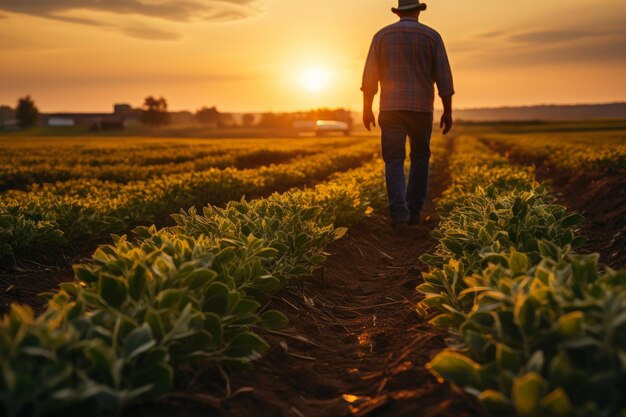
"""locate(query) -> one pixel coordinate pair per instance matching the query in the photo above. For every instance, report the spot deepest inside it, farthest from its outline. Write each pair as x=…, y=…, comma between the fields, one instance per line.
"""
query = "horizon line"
x=437, y=109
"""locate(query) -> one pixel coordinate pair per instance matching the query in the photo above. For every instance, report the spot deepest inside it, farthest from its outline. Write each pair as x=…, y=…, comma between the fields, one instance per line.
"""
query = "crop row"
x=578, y=153
x=190, y=293
x=538, y=329
x=74, y=212
x=21, y=167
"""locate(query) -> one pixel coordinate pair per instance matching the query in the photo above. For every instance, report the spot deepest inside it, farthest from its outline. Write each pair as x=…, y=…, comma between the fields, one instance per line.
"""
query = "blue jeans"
x=406, y=200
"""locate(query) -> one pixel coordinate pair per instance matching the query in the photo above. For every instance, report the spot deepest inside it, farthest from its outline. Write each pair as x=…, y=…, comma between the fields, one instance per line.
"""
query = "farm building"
x=123, y=116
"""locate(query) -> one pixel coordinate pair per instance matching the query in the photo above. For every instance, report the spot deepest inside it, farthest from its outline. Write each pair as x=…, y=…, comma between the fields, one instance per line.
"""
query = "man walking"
x=407, y=58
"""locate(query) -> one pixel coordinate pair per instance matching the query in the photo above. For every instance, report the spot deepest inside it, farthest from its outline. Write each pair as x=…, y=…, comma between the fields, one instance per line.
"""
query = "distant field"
x=28, y=160
x=59, y=191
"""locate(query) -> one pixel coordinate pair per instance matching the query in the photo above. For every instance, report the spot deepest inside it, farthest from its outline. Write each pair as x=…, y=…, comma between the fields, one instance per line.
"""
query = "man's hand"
x=446, y=122
x=368, y=119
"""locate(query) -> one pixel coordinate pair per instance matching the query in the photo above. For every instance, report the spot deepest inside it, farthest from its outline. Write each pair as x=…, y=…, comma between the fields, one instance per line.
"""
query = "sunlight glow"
x=314, y=79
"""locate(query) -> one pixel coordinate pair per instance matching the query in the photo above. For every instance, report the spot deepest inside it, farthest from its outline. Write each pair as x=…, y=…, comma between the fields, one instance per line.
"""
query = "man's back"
x=407, y=58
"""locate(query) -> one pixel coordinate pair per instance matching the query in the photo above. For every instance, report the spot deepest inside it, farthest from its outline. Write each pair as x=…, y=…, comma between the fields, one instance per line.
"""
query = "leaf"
x=527, y=393
x=453, y=246
x=525, y=312
x=443, y=321
x=557, y=403
x=84, y=274
x=571, y=324
x=246, y=307
x=572, y=220
x=274, y=319
x=112, y=290
x=101, y=357
x=507, y=358
x=137, y=282
x=454, y=367
x=200, y=278
x=213, y=325
x=138, y=341
x=216, y=298
x=339, y=233
x=495, y=402
x=153, y=318
x=197, y=342
x=518, y=262
x=267, y=253
x=144, y=232
x=170, y=298
x=246, y=346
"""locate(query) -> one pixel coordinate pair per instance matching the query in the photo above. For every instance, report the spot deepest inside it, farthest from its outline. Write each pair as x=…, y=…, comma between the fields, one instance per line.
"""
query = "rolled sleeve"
x=443, y=73
x=371, y=74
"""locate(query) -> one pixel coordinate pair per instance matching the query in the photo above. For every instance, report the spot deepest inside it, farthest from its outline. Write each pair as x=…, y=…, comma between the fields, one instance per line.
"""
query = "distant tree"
x=276, y=120
x=226, y=120
x=208, y=116
x=26, y=112
x=248, y=120
x=154, y=112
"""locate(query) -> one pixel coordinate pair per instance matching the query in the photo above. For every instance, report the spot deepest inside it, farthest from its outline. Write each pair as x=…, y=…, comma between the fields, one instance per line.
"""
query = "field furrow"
x=191, y=293
x=24, y=165
x=73, y=214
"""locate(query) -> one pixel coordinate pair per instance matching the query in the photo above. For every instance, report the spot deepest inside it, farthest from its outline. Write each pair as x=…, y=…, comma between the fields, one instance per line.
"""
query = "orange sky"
x=274, y=55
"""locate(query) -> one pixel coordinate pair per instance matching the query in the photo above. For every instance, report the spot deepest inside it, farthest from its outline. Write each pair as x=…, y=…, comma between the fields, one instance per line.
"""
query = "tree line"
x=154, y=113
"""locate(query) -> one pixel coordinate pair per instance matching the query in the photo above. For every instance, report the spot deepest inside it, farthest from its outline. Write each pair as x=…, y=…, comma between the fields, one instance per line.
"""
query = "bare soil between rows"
x=354, y=345
x=600, y=196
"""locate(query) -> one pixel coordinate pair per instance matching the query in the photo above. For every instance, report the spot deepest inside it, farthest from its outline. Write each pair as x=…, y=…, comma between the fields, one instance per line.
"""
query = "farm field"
x=169, y=293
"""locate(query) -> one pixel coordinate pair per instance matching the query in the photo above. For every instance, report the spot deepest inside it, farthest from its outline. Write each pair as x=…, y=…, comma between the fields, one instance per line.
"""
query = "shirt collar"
x=409, y=19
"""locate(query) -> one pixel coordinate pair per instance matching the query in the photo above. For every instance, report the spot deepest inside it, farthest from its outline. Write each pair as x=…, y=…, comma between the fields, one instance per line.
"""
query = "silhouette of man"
x=407, y=59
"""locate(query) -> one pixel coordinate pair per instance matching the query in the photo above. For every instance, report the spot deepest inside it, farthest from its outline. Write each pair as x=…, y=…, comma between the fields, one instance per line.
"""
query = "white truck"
x=321, y=127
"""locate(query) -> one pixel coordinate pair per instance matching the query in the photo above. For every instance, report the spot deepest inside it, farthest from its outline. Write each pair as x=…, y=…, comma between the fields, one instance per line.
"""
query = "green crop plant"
x=539, y=330
x=86, y=209
x=193, y=292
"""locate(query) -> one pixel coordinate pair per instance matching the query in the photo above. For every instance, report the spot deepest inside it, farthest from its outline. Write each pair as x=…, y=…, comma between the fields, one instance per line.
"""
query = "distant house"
x=7, y=117
x=182, y=118
x=123, y=116
x=58, y=121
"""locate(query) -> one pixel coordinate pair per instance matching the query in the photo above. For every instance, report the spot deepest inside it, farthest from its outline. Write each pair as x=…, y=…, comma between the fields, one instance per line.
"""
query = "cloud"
x=564, y=48
x=151, y=34
x=176, y=11
x=554, y=36
x=492, y=34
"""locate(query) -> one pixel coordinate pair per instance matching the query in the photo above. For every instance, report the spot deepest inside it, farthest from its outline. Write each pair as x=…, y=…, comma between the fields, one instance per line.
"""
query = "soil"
x=354, y=346
x=600, y=196
x=601, y=199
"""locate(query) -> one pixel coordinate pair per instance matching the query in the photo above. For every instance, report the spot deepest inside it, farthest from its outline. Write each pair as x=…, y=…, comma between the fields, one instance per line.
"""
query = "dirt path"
x=354, y=346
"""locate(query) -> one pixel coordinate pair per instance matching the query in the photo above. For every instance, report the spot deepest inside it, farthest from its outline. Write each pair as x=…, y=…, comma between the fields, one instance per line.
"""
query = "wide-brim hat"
x=408, y=5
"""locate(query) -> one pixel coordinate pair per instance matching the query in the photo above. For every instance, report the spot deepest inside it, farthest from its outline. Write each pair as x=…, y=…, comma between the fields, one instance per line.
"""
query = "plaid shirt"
x=407, y=58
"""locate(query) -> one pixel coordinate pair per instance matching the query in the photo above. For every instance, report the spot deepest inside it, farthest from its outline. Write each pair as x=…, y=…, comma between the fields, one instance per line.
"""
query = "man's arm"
x=371, y=77
x=446, y=118
x=368, y=113
x=445, y=84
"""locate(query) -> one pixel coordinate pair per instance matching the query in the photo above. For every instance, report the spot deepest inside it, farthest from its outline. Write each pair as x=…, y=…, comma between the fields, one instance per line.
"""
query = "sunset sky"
x=279, y=55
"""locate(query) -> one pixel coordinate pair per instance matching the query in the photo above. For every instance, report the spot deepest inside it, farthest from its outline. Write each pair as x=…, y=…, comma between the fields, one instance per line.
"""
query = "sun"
x=314, y=79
